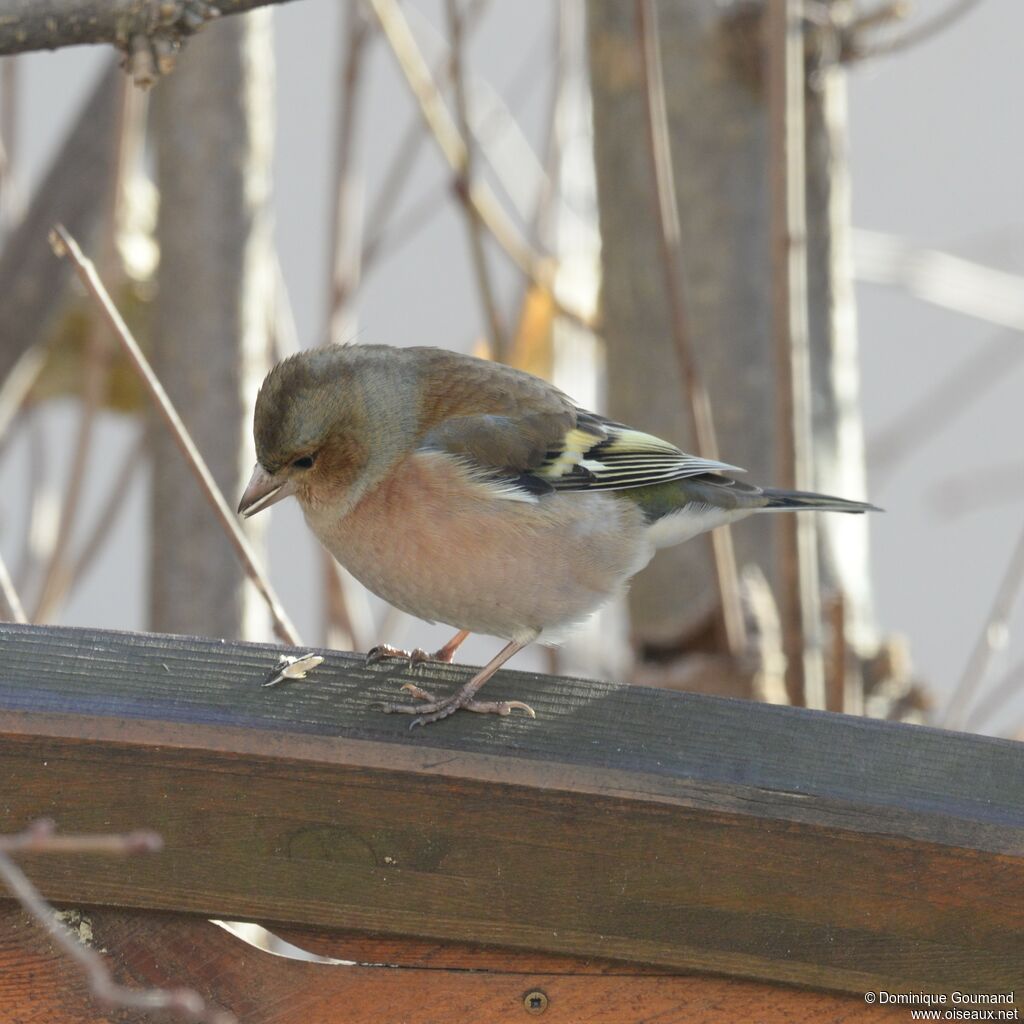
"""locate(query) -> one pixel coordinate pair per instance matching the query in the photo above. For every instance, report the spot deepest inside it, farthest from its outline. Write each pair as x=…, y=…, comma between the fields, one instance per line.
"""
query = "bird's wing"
x=565, y=450
x=600, y=454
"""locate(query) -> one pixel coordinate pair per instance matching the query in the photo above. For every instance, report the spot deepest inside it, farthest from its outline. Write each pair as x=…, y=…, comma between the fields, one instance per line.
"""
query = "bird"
x=469, y=493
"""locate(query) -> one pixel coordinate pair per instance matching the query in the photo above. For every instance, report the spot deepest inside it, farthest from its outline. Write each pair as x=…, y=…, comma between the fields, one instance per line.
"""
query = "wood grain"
x=651, y=827
x=148, y=948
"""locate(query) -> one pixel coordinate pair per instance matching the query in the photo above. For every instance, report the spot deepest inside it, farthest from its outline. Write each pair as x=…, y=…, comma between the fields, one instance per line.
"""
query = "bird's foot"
x=382, y=652
x=433, y=710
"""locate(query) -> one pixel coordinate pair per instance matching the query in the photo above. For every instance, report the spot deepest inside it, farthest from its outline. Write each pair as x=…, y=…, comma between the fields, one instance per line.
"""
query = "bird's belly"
x=490, y=565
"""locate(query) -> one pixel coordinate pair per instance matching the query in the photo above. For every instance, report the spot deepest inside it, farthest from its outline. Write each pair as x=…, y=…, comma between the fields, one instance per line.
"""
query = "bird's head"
x=329, y=423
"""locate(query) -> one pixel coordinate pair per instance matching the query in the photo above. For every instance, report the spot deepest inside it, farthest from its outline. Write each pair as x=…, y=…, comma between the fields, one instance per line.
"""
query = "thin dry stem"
x=399, y=171
x=184, y=1003
x=1010, y=686
x=10, y=91
x=990, y=638
x=104, y=522
x=14, y=391
x=958, y=494
x=920, y=421
x=921, y=33
x=404, y=228
x=345, y=270
x=64, y=245
x=96, y=366
x=465, y=176
x=538, y=269
x=10, y=604
x=343, y=248
x=800, y=600
x=669, y=236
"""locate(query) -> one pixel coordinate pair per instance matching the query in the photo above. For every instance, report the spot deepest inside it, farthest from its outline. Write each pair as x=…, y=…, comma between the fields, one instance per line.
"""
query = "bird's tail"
x=795, y=500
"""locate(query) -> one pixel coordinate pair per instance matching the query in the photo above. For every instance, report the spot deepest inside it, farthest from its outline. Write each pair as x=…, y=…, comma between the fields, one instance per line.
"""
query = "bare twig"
x=159, y=27
x=958, y=494
x=800, y=601
x=96, y=362
x=465, y=175
x=1004, y=690
x=669, y=235
x=10, y=604
x=990, y=639
x=403, y=159
x=918, y=422
x=343, y=251
x=344, y=269
x=940, y=278
x=9, y=97
x=927, y=29
x=64, y=245
x=39, y=837
x=32, y=283
x=403, y=228
x=40, y=504
x=15, y=387
x=538, y=268
x=104, y=523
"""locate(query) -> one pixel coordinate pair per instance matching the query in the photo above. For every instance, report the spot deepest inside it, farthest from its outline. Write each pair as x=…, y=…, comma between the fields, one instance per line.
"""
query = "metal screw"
x=535, y=1002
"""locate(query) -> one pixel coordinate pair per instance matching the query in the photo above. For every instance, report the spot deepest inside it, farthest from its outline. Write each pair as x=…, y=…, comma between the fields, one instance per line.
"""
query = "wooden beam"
x=416, y=983
x=649, y=826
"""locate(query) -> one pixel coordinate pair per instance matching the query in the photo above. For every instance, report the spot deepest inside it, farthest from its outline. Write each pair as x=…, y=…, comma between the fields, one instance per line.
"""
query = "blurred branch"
x=404, y=158
x=15, y=387
x=918, y=423
x=387, y=238
x=39, y=837
x=940, y=278
x=344, y=248
x=1004, y=690
x=990, y=639
x=9, y=123
x=10, y=604
x=669, y=235
x=920, y=33
x=103, y=525
x=465, y=177
x=959, y=494
x=537, y=267
x=96, y=361
x=64, y=245
x=164, y=25
x=344, y=273
x=32, y=283
x=800, y=601
x=40, y=519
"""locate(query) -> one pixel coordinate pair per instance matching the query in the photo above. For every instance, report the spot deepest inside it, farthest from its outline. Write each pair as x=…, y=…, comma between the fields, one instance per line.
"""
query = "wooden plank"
x=149, y=948
x=648, y=826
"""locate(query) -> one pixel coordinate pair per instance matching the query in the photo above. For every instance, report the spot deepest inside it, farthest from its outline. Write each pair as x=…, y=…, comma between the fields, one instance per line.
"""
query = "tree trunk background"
x=213, y=126
x=718, y=122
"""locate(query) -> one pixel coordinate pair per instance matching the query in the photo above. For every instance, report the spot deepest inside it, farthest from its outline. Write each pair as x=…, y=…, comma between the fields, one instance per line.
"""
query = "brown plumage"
x=470, y=493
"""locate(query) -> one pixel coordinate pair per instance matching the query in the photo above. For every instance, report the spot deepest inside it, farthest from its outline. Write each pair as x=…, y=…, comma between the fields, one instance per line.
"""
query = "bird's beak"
x=263, y=490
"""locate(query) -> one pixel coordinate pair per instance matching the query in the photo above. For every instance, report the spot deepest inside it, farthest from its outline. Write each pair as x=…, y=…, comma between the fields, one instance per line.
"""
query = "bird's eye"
x=306, y=462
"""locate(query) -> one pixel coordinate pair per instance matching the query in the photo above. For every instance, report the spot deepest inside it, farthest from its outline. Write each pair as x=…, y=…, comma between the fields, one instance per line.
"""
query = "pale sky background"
x=937, y=156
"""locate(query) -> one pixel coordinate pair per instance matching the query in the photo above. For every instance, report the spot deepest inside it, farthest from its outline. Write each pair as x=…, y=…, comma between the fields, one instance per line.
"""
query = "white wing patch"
x=619, y=459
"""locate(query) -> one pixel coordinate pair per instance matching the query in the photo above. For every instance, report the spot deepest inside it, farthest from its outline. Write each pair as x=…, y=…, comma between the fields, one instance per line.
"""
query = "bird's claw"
x=418, y=692
x=433, y=710
x=382, y=652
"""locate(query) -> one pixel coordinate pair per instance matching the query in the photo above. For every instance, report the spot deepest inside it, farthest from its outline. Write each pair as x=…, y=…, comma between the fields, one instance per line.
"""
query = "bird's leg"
x=418, y=656
x=433, y=710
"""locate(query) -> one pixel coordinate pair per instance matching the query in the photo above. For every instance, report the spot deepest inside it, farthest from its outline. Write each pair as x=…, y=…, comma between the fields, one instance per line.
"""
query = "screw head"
x=535, y=1002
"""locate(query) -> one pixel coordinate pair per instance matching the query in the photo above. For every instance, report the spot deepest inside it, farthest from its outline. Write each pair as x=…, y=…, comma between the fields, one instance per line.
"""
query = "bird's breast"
x=441, y=545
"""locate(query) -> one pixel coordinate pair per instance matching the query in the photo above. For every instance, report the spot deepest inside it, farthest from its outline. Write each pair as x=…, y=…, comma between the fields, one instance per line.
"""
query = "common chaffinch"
x=467, y=492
